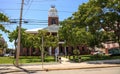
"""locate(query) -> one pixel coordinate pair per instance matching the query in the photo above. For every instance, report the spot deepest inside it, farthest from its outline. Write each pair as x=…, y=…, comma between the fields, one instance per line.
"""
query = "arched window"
x=53, y=21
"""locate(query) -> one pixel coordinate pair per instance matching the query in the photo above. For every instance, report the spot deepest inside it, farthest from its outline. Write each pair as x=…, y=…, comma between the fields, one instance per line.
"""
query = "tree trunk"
x=30, y=51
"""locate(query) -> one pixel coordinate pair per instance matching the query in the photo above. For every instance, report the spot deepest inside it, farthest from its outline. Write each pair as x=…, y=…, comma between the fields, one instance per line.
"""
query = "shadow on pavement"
x=24, y=70
x=5, y=69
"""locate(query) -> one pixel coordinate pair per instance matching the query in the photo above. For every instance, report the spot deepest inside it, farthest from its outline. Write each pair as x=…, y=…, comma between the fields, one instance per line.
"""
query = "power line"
x=28, y=7
x=31, y=1
x=26, y=21
x=27, y=2
x=39, y=10
x=28, y=24
x=43, y=1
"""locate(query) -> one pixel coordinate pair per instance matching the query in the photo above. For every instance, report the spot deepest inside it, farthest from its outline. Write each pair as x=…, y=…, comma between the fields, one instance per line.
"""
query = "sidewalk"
x=65, y=65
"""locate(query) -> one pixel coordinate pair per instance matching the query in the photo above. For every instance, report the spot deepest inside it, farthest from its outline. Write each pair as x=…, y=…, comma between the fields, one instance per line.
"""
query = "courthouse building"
x=53, y=27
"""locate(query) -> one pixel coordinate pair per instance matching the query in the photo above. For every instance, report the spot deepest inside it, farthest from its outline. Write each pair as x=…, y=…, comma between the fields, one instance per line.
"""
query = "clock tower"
x=53, y=16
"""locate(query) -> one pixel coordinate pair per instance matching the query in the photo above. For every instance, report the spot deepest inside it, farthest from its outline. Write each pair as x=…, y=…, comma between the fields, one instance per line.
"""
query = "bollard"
x=60, y=60
x=57, y=59
x=79, y=59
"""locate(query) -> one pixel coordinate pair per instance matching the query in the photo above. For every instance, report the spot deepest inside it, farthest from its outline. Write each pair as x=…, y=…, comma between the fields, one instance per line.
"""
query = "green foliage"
x=2, y=28
x=97, y=15
x=29, y=40
x=74, y=36
x=76, y=52
x=3, y=18
x=48, y=39
x=99, y=37
x=34, y=40
x=13, y=36
x=96, y=57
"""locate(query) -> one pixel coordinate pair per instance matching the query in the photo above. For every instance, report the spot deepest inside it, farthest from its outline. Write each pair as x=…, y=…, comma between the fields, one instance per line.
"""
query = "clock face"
x=53, y=14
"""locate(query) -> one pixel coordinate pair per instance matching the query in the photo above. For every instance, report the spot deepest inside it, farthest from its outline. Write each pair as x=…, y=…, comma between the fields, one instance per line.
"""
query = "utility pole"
x=19, y=35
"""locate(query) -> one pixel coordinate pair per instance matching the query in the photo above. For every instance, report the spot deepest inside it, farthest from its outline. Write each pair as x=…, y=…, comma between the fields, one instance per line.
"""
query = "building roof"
x=33, y=30
x=51, y=28
x=110, y=45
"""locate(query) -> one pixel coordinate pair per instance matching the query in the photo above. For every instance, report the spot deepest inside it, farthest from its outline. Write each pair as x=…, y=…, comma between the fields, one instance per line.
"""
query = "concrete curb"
x=53, y=69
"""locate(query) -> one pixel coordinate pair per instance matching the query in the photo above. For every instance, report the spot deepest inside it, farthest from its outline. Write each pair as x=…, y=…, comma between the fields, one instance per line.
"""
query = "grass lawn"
x=26, y=59
x=93, y=57
x=6, y=60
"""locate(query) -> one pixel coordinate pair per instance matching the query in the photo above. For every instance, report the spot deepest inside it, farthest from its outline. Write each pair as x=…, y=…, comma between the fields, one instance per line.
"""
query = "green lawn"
x=6, y=60
x=37, y=59
x=27, y=59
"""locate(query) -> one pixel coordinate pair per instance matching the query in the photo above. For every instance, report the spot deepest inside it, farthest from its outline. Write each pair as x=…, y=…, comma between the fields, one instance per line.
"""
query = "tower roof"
x=53, y=9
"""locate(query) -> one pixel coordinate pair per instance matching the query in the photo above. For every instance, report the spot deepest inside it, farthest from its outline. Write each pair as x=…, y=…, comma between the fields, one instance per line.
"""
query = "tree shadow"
x=24, y=70
x=15, y=72
x=21, y=70
x=4, y=68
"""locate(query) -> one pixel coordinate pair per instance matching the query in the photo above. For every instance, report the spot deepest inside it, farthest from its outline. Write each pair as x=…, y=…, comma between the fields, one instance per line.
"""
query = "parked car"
x=6, y=55
x=114, y=51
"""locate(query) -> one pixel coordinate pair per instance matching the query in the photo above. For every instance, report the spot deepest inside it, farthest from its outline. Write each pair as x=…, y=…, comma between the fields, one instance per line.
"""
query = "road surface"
x=112, y=70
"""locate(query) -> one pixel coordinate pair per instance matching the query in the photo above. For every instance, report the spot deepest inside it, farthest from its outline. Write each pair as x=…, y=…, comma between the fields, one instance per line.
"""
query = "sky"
x=36, y=11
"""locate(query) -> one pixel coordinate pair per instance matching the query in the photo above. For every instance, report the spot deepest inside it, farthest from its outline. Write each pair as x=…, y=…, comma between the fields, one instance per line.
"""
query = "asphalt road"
x=112, y=70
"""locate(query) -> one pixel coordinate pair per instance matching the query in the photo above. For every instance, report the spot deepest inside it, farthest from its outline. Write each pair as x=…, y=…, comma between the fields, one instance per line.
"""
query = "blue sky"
x=36, y=10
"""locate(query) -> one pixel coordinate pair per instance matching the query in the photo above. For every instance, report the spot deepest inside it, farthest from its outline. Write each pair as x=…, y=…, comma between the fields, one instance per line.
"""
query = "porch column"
x=58, y=50
x=65, y=51
x=56, y=53
x=50, y=50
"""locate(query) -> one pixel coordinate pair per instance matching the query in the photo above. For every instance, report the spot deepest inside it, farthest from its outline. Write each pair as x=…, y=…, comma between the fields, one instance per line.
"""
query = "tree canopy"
x=93, y=16
x=3, y=18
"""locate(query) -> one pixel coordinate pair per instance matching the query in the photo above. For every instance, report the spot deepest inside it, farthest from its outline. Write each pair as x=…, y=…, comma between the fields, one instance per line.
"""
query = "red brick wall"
x=50, y=20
